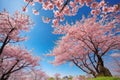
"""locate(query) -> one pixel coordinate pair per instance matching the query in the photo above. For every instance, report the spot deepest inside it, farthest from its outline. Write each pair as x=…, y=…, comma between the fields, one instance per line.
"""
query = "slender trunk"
x=103, y=71
x=3, y=45
x=4, y=77
x=6, y=41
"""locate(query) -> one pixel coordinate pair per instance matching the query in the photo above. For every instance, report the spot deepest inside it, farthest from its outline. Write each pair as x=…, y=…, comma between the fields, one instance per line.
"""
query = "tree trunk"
x=94, y=75
x=103, y=71
x=4, y=77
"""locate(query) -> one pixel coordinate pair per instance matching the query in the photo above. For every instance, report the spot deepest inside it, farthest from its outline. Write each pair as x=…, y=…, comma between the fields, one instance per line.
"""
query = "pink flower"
x=55, y=22
x=87, y=2
x=105, y=9
x=35, y=12
x=26, y=0
x=62, y=19
x=32, y=3
x=50, y=6
x=45, y=5
x=81, y=2
x=40, y=1
x=66, y=10
x=58, y=4
x=94, y=4
x=102, y=3
x=95, y=12
x=115, y=8
x=46, y=20
x=74, y=10
x=72, y=4
x=24, y=9
x=57, y=14
x=76, y=1
x=36, y=0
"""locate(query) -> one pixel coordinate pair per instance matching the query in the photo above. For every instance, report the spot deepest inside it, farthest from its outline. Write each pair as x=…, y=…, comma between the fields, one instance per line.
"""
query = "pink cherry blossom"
x=72, y=4
x=105, y=9
x=36, y=12
x=83, y=39
x=24, y=9
x=35, y=74
x=70, y=8
x=46, y=20
x=66, y=10
x=102, y=3
x=26, y=0
x=95, y=12
x=51, y=6
x=13, y=25
x=57, y=14
x=40, y=1
x=82, y=2
x=14, y=58
x=94, y=5
x=116, y=8
x=55, y=22
x=36, y=0
x=32, y=3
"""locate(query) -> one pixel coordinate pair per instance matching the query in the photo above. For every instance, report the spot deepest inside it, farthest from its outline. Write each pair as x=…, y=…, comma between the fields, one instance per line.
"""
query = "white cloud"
x=115, y=55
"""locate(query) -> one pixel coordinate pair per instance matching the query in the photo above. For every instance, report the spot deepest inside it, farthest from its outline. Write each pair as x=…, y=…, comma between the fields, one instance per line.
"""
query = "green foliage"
x=106, y=78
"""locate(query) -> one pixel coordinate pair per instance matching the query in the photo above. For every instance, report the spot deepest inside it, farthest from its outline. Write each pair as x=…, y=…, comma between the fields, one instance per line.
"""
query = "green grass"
x=51, y=78
x=106, y=78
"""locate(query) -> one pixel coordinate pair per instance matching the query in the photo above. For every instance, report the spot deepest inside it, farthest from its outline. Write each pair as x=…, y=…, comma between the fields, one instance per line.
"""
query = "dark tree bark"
x=103, y=71
x=96, y=68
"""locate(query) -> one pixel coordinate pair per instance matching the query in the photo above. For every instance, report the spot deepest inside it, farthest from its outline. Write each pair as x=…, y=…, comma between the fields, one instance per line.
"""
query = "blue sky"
x=41, y=39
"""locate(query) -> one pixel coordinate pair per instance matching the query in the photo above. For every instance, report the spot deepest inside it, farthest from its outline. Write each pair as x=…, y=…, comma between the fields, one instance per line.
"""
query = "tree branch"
x=64, y=5
x=92, y=63
x=76, y=63
x=6, y=39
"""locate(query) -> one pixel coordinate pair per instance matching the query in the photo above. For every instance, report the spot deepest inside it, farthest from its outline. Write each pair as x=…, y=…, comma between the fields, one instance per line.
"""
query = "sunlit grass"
x=106, y=78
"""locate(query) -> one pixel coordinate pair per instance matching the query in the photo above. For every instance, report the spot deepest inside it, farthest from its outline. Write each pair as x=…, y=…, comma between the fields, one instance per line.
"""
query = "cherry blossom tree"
x=14, y=58
x=19, y=75
x=11, y=28
x=62, y=8
x=37, y=74
x=29, y=75
x=86, y=42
